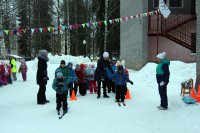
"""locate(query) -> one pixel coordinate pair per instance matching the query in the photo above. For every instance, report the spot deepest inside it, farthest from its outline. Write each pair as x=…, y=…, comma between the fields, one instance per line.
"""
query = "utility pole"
x=106, y=28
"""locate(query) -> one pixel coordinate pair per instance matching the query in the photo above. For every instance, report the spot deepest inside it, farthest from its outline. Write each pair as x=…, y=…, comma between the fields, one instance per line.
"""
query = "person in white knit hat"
x=101, y=74
x=162, y=76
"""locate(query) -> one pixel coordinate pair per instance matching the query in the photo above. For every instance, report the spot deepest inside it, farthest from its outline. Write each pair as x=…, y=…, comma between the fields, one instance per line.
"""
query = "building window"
x=156, y=3
x=176, y=3
x=169, y=3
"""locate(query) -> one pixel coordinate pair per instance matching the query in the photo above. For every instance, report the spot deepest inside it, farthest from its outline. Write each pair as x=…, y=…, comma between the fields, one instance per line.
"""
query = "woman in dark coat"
x=42, y=76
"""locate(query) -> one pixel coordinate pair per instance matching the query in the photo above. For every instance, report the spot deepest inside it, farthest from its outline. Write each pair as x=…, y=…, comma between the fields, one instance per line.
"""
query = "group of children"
x=82, y=77
x=8, y=71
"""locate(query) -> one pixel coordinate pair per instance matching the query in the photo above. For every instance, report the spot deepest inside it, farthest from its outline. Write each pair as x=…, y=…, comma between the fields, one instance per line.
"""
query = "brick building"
x=142, y=39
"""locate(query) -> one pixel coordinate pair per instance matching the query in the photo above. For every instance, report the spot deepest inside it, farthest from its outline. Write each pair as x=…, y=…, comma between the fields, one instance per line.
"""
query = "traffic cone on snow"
x=128, y=96
x=73, y=98
x=193, y=94
x=198, y=94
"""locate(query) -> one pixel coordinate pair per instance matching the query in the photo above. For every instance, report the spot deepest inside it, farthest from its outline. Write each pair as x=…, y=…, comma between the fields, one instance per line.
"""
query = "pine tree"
x=23, y=25
x=42, y=18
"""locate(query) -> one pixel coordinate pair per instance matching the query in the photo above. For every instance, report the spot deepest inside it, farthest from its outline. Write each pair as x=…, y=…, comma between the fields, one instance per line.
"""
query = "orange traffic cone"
x=198, y=94
x=192, y=93
x=128, y=96
x=73, y=98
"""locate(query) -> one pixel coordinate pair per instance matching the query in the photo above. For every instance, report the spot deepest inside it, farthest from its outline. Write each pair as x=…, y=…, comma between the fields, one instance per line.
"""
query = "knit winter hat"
x=105, y=54
x=59, y=75
x=62, y=62
x=123, y=63
x=161, y=55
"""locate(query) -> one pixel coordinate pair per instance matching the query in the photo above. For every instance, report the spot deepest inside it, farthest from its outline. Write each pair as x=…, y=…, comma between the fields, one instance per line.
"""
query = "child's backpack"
x=188, y=100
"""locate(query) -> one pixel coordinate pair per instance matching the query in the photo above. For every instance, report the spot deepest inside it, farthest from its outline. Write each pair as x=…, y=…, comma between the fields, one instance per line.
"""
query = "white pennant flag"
x=164, y=9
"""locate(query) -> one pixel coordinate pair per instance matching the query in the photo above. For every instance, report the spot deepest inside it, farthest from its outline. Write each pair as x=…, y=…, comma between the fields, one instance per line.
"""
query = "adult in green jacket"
x=162, y=76
x=13, y=68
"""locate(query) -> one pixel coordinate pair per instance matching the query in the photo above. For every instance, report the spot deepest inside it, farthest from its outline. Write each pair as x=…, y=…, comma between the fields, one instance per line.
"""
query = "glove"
x=131, y=82
x=162, y=83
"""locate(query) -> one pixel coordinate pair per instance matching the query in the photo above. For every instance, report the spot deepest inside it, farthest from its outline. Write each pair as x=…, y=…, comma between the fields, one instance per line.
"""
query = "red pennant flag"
x=123, y=19
x=36, y=30
x=59, y=27
x=45, y=30
x=100, y=23
x=113, y=21
x=19, y=31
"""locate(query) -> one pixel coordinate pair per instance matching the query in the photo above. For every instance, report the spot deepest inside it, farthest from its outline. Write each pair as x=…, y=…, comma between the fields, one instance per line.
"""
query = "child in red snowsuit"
x=80, y=73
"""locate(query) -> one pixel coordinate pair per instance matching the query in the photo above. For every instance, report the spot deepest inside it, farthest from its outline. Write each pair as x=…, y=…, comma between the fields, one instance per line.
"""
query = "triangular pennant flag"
x=123, y=19
x=117, y=20
x=45, y=30
x=131, y=17
x=1, y=32
x=59, y=28
x=36, y=30
x=24, y=30
x=146, y=14
x=88, y=25
x=83, y=25
x=14, y=32
x=113, y=21
x=100, y=23
x=11, y=33
x=6, y=31
x=136, y=16
x=127, y=18
x=40, y=29
x=52, y=28
x=105, y=22
x=120, y=19
x=110, y=21
x=70, y=26
x=63, y=28
x=56, y=28
x=19, y=31
x=32, y=30
x=94, y=24
x=49, y=29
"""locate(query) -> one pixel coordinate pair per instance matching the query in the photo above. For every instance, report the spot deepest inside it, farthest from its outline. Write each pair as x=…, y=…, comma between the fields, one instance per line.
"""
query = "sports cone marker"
x=128, y=96
x=73, y=98
x=192, y=93
x=198, y=94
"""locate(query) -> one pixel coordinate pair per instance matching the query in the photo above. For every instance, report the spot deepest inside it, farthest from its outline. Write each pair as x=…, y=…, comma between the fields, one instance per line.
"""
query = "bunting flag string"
x=77, y=26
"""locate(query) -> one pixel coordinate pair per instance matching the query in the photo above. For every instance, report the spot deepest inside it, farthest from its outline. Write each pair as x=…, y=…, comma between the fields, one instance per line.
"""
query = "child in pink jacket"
x=23, y=69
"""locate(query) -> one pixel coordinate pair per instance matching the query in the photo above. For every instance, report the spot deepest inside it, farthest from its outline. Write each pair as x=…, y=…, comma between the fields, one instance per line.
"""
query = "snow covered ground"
x=19, y=112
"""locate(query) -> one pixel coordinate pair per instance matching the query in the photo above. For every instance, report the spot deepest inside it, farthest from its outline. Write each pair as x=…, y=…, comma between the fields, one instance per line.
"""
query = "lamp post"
x=84, y=43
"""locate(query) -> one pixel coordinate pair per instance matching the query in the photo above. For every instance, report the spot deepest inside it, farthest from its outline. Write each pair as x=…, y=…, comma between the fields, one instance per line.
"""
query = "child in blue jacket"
x=60, y=85
x=120, y=79
x=72, y=78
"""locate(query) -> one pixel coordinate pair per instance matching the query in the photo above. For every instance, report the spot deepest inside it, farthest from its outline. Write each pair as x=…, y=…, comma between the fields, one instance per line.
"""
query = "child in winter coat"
x=23, y=69
x=80, y=73
x=4, y=73
x=60, y=86
x=90, y=76
x=9, y=78
x=111, y=83
x=72, y=78
x=120, y=80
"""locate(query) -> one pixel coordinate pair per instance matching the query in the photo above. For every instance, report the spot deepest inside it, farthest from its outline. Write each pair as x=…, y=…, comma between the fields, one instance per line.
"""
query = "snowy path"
x=19, y=112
